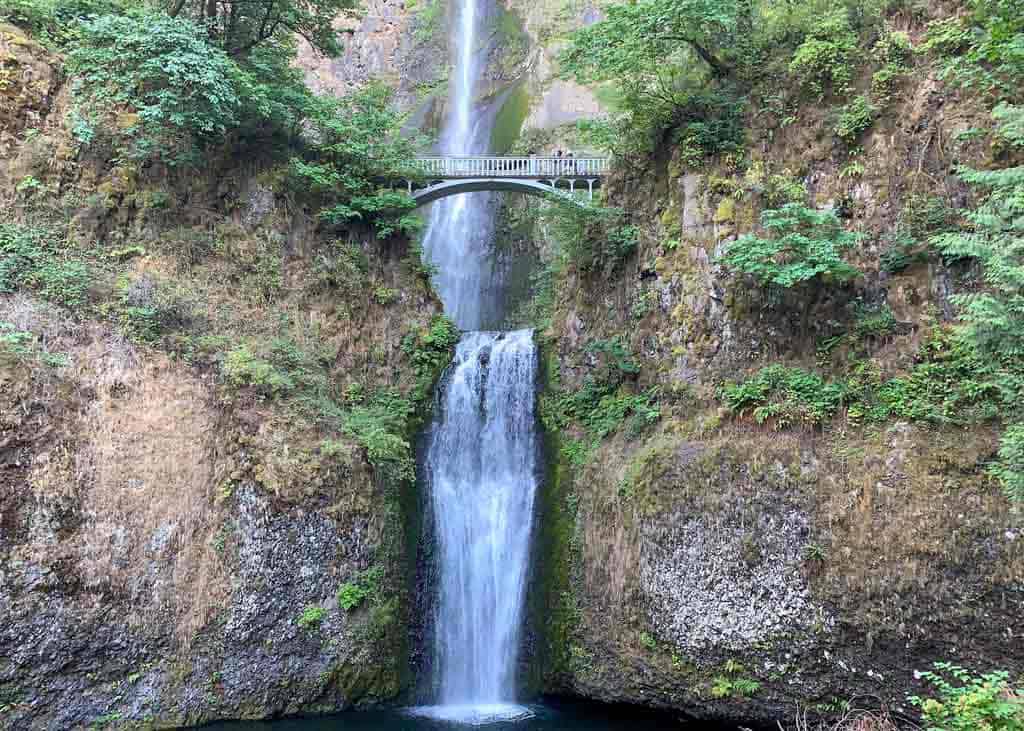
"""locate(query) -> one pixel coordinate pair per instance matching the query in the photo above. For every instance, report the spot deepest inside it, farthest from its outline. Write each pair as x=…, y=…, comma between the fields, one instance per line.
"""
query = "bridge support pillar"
x=590, y=185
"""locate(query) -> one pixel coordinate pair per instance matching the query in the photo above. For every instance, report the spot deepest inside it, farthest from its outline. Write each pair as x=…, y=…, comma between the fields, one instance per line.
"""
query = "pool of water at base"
x=549, y=716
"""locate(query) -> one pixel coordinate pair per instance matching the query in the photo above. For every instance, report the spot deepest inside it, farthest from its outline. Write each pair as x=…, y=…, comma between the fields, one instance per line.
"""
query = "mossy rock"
x=726, y=211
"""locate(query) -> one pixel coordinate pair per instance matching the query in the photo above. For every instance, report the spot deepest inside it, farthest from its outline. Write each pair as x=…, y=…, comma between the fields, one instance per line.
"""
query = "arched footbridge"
x=444, y=176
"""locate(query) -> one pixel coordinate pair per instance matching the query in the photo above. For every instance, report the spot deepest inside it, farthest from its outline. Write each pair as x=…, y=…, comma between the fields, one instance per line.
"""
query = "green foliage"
x=381, y=426
x=855, y=119
x=239, y=26
x=55, y=23
x=604, y=402
x=995, y=237
x=804, y=245
x=367, y=584
x=640, y=43
x=37, y=259
x=949, y=384
x=429, y=19
x=983, y=50
x=894, y=51
x=23, y=346
x=967, y=702
x=243, y=367
x=311, y=617
x=351, y=143
x=785, y=396
x=824, y=61
x=732, y=684
x=591, y=237
x=871, y=321
x=664, y=59
x=430, y=351
x=1009, y=467
x=709, y=122
x=150, y=308
x=170, y=90
x=340, y=267
x=385, y=295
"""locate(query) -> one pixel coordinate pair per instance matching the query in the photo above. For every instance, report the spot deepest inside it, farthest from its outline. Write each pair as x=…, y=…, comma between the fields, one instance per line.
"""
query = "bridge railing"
x=512, y=167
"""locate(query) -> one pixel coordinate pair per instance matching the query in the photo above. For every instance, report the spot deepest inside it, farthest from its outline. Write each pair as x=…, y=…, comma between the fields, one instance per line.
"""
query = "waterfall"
x=460, y=229
x=481, y=458
x=481, y=467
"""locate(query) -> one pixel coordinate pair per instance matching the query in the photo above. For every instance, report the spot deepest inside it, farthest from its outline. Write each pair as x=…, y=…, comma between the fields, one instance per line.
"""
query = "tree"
x=354, y=145
x=238, y=26
x=672, y=63
x=804, y=245
x=635, y=40
x=167, y=86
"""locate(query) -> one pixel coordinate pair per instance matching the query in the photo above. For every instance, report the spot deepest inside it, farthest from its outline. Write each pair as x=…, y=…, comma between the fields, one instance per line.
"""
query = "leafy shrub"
x=55, y=23
x=151, y=308
x=242, y=367
x=872, y=321
x=664, y=58
x=380, y=427
x=385, y=295
x=311, y=617
x=786, y=396
x=430, y=350
x=340, y=266
x=825, y=58
x=1009, y=467
x=894, y=52
x=805, y=245
x=855, y=119
x=239, y=26
x=967, y=702
x=31, y=258
x=604, y=402
x=591, y=237
x=350, y=143
x=352, y=594
x=709, y=122
x=995, y=319
x=982, y=50
x=169, y=89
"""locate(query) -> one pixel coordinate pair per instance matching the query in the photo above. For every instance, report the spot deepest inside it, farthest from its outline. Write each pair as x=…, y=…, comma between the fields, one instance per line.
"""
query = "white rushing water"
x=481, y=467
x=481, y=458
x=460, y=228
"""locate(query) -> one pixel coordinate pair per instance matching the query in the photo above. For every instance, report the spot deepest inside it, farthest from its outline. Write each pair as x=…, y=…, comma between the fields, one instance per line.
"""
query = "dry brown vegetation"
x=138, y=461
x=852, y=720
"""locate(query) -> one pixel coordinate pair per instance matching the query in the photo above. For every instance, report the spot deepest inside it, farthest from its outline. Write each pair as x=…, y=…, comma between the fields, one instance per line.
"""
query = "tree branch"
x=719, y=67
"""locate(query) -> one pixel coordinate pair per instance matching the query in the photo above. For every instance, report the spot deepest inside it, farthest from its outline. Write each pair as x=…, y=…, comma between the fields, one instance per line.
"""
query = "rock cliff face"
x=171, y=545
x=727, y=569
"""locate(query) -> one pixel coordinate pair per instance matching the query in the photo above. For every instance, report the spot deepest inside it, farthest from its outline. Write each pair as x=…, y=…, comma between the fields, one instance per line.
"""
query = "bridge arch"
x=446, y=188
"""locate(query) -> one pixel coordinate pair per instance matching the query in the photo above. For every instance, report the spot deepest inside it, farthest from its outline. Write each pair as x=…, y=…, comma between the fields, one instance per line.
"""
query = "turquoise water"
x=557, y=717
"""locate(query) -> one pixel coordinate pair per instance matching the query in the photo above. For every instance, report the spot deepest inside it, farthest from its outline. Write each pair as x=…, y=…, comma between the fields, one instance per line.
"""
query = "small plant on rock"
x=968, y=702
x=311, y=617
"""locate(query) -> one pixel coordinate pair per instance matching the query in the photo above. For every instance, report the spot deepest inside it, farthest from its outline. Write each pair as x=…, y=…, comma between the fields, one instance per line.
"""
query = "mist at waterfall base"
x=551, y=716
